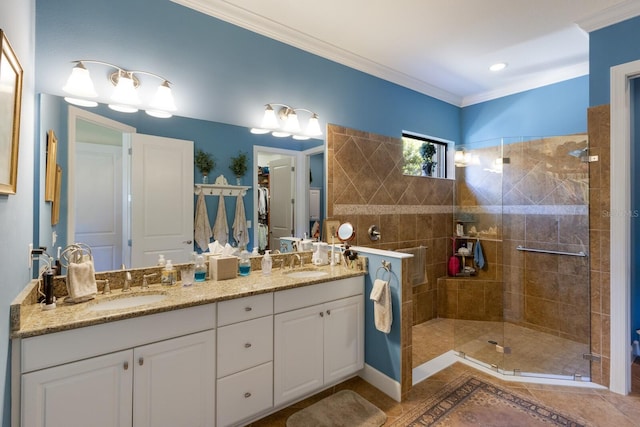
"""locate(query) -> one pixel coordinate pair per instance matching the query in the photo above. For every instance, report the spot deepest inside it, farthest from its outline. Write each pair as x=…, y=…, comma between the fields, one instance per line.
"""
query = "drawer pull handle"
x=247, y=345
x=247, y=395
x=126, y=366
x=321, y=314
x=329, y=312
x=247, y=309
x=141, y=361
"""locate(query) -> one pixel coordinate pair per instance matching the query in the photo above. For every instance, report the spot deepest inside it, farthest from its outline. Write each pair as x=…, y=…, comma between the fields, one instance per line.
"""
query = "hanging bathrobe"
x=240, y=232
x=221, y=227
x=202, y=227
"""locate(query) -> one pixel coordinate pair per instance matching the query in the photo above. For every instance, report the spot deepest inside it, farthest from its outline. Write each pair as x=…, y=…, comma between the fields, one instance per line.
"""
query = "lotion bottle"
x=267, y=263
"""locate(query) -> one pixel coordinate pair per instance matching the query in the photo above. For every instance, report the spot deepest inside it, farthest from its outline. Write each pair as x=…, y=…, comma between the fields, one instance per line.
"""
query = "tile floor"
x=600, y=407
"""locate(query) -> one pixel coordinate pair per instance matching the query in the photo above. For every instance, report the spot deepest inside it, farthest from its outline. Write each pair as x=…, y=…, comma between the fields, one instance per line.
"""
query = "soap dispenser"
x=267, y=262
x=201, y=269
x=244, y=266
x=169, y=274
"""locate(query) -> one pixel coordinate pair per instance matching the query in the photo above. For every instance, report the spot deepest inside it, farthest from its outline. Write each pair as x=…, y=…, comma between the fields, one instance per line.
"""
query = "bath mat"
x=345, y=408
x=473, y=402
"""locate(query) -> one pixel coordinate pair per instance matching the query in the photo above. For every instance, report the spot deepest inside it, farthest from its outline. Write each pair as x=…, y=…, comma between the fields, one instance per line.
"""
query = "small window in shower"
x=424, y=156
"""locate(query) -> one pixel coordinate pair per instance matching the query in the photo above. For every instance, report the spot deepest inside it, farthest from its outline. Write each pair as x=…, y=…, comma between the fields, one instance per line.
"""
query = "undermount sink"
x=131, y=301
x=306, y=273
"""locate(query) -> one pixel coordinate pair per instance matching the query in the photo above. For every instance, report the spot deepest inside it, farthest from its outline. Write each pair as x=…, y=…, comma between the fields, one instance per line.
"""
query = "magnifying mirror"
x=346, y=232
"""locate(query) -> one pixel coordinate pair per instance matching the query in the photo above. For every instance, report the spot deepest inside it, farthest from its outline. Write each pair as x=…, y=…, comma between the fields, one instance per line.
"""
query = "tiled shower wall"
x=537, y=199
x=365, y=186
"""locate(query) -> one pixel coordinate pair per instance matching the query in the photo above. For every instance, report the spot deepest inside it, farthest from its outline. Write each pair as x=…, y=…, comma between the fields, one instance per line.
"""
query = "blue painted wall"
x=612, y=46
x=557, y=109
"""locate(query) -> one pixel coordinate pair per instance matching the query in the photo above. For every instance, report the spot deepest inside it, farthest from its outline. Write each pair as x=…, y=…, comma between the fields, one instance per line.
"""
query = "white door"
x=93, y=392
x=343, y=338
x=174, y=382
x=281, y=190
x=297, y=353
x=161, y=199
x=99, y=193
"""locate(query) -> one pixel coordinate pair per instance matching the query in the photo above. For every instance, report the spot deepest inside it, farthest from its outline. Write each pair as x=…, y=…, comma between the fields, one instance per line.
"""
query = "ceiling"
x=442, y=48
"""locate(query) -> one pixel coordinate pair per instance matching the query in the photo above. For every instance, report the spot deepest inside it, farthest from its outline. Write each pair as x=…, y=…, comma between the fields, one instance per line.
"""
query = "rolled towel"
x=381, y=296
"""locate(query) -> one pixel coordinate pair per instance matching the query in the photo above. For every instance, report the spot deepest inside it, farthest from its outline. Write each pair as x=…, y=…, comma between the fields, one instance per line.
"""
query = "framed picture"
x=330, y=229
x=50, y=177
x=55, y=206
x=10, y=100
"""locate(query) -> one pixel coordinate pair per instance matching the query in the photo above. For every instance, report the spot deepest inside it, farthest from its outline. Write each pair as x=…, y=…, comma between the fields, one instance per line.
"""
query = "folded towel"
x=478, y=255
x=240, y=231
x=81, y=281
x=381, y=296
x=202, y=227
x=221, y=227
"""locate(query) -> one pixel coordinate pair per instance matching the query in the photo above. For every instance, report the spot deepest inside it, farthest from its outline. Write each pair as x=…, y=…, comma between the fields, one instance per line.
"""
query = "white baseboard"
x=388, y=386
x=424, y=371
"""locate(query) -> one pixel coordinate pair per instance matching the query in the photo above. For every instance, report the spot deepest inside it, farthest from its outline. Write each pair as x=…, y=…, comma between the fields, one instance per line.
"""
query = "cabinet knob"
x=329, y=312
x=141, y=361
x=247, y=345
x=321, y=314
x=247, y=395
x=248, y=309
x=126, y=366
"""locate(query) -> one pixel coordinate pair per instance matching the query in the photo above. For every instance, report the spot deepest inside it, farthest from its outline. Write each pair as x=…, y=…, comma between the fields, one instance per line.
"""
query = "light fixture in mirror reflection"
x=285, y=123
x=125, y=97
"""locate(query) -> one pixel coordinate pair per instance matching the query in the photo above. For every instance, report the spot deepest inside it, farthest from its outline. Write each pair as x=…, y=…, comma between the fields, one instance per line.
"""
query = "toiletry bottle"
x=267, y=262
x=201, y=269
x=161, y=260
x=244, y=266
x=255, y=251
x=169, y=275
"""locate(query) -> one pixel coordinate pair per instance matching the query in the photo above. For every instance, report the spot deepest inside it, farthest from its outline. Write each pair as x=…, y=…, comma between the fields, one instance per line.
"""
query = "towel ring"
x=386, y=266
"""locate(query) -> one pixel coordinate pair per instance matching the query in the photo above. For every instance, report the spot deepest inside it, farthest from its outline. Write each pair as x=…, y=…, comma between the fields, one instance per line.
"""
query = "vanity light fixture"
x=285, y=123
x=125, y=95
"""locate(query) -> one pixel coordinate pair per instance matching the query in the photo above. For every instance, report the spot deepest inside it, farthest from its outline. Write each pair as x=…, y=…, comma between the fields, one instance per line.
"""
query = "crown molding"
x=611, y=15
x=539, y=80
x=258, y=24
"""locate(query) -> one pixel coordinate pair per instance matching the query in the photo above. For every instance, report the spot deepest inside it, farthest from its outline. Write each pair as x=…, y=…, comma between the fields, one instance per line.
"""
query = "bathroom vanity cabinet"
x=142, y=372
x=318, y=336
x=223, y=363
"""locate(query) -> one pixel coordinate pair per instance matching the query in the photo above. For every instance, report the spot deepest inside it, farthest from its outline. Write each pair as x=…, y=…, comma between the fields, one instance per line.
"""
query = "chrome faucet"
x=292, y=263
x=145, y=283
x=126, y=287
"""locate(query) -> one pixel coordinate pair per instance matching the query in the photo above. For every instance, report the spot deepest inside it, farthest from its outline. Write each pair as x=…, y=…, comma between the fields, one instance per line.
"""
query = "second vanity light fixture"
x=125, y=94
x=285, y=123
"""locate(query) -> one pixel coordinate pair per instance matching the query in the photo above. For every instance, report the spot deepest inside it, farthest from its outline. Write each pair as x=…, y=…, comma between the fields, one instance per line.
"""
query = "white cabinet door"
x=343, y=338
x=174, y=382
x=94, y=392
x=298, y=355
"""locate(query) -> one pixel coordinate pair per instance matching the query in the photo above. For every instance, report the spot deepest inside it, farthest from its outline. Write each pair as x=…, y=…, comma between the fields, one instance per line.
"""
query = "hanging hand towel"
x=478, y=255
x=81, y=281
x=221, y=227
x=202, y=226
x=240, y=232
x=381, y=296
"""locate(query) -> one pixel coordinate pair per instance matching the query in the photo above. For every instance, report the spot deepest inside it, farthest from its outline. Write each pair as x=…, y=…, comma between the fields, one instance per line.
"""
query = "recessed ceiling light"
x=498, y=66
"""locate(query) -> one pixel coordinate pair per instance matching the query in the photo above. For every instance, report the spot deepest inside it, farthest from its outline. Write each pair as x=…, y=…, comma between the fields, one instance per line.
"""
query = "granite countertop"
x=28, y=319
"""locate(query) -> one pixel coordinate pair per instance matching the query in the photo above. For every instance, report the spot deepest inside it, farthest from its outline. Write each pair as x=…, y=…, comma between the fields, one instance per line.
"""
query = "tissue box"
x=222, y=268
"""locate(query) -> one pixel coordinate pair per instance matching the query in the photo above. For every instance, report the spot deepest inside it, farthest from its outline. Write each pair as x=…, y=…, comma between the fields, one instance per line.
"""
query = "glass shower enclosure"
x=522, y=232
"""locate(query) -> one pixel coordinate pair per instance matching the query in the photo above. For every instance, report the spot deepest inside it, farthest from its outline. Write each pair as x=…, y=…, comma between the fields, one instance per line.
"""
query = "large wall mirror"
x=100, y=143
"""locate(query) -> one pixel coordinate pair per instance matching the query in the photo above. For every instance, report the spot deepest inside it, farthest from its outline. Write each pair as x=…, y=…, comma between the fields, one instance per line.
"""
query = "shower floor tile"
x=531, y=351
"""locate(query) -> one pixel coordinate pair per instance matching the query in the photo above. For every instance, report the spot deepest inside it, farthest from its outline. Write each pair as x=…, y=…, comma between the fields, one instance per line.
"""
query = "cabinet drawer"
x=244, y=345
x=247, y=308
x=305, y=296
x=244, y=394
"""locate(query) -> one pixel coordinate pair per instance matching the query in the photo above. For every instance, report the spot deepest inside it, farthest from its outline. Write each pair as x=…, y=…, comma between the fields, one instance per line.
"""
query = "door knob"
x=188, y=242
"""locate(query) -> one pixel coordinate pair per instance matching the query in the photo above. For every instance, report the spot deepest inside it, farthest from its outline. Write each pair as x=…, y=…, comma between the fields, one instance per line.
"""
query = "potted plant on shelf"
x=205, y=163
x=427, y=151
x=239, y=166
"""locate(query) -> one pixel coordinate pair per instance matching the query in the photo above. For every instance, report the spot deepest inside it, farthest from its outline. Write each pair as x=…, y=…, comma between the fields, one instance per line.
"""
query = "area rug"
x=473, y=402
x=345, y=408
